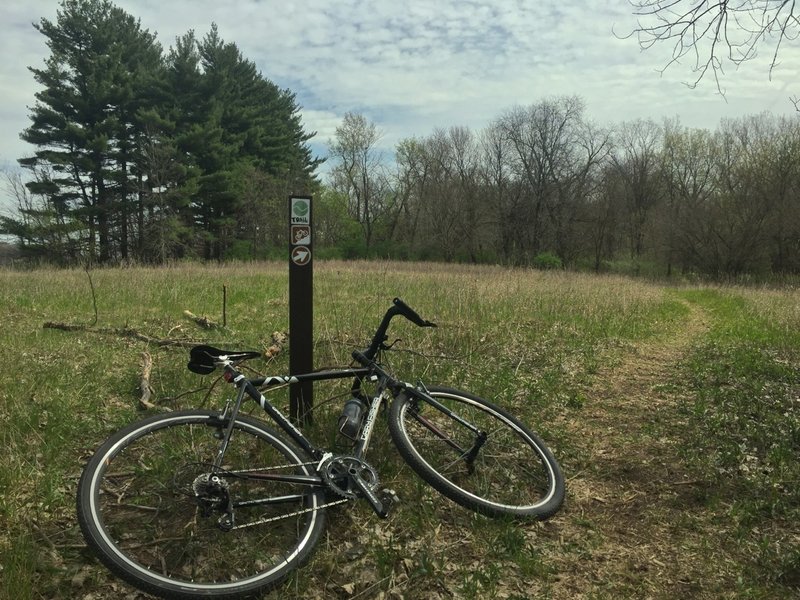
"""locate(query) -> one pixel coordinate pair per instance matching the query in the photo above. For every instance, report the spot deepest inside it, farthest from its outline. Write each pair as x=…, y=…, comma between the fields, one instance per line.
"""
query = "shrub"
x=547, y=260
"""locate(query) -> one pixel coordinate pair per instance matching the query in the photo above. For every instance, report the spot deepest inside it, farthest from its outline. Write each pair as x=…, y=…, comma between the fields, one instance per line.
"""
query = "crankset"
x=351, y=477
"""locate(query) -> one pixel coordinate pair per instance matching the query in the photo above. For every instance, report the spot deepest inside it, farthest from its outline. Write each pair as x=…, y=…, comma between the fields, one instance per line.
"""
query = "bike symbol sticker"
x=301, y=235
x=301, y=211
x=301, y=256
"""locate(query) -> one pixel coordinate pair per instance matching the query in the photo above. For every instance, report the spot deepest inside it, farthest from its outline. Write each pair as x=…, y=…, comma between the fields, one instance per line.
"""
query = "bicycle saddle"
x=203, y=359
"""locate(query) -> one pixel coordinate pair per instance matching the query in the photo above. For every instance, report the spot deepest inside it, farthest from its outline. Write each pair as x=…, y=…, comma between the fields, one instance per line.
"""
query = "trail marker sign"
x=301, y=306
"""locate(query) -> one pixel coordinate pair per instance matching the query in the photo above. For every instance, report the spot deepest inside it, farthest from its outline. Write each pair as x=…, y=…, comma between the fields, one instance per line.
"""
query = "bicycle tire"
x=513, y=474
x=138, y=510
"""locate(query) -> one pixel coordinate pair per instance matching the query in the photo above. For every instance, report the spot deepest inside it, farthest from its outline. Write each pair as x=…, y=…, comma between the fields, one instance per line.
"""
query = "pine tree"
x=141, y=155
x=245, y=122
x=82, y=121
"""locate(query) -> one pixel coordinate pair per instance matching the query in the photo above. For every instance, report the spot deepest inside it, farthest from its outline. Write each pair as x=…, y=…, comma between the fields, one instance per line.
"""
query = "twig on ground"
x=122, y=332
x=204, y=322
x=144, y=384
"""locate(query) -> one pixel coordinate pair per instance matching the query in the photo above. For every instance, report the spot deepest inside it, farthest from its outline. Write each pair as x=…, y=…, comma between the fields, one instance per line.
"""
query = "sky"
x=411, y=66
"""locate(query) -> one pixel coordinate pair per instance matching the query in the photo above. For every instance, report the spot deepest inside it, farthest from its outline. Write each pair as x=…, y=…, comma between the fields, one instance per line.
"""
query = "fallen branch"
x=144, y=384
x=122, y=332
x=65, y=326
x=202, y=321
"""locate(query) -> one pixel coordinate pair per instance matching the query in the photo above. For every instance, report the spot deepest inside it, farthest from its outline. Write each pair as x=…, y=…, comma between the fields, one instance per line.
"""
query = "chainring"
x=338, y=473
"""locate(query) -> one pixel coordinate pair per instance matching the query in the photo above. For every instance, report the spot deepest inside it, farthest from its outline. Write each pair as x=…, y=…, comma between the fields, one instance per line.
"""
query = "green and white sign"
x=301, y=211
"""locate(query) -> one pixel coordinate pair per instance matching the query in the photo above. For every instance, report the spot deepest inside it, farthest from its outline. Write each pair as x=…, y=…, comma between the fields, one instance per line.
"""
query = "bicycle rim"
x=512, y=472
x=139, y=509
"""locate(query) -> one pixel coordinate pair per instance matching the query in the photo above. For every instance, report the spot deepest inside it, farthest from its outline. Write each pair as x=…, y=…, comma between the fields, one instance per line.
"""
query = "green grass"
x=743, y=431
x=531, y=341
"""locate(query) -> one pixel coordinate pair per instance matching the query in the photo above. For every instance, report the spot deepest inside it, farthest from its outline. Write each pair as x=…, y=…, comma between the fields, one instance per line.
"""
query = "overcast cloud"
x=413, y=65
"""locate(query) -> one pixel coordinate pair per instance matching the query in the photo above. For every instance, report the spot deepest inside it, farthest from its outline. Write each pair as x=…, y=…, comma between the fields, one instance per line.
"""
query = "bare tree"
x=359, y=171
x=443, y=202
x=554, y=155
x=471, y=214
x=734, y=226
x=689, y=177
x=636, y=160
x=713, y=33
x=411, y=181
x=577, y=185
x=542, y=138
x=781, y=182
x=503, y=193
x=602, y=213
x=42, y=225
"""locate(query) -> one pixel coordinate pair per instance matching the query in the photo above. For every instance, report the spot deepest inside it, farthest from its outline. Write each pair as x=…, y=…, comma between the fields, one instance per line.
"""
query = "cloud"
x=413, y=65
x=323, y=122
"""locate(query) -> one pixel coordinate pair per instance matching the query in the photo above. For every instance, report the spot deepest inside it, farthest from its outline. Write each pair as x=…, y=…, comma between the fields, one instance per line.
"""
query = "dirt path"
x=630, y=526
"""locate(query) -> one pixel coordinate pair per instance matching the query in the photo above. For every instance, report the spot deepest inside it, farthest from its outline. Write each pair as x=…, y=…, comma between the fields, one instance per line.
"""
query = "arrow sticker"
x=301, y=256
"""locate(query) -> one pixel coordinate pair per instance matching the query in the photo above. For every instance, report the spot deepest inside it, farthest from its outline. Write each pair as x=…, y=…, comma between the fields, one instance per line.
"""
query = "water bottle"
x=350, y=420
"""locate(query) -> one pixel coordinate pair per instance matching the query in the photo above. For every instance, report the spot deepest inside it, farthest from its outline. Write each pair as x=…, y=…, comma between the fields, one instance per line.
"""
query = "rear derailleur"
x=212, y=495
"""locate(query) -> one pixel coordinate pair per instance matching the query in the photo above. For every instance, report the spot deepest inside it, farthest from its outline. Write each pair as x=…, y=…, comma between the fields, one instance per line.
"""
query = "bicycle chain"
x=289, y=515
x=266, y=520
x=328, y=461
x=291, y=466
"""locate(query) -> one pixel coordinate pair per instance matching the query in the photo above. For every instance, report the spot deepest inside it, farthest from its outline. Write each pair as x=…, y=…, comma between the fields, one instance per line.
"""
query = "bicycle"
x=217, y=504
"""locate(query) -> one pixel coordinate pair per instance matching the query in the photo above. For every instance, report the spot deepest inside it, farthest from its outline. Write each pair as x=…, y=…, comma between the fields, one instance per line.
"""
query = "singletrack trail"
x=632, y=526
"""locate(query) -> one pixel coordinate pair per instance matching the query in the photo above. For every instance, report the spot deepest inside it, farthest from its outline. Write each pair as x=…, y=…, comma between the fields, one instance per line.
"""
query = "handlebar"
x=204, y=359
x=398, y=308
x=410, y=314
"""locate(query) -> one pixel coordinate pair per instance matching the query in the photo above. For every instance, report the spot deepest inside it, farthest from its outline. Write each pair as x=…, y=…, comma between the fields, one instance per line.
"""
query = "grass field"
x=674, y=410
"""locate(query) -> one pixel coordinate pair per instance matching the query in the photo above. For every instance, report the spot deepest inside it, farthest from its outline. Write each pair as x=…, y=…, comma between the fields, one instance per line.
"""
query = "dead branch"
x=714, y=32
x=121, y=332
x=144, y=384
x=201, y=321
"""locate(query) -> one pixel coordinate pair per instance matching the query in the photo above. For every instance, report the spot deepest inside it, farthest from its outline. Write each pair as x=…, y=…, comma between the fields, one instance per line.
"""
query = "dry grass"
x=597, y=365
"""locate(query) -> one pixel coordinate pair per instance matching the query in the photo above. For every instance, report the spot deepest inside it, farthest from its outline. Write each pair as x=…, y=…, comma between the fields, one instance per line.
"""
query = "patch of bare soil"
x=634, y=525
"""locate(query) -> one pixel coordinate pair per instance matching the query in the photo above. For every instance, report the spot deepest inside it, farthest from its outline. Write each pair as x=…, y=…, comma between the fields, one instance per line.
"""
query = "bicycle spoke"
x=497, y=467
x=164, y=507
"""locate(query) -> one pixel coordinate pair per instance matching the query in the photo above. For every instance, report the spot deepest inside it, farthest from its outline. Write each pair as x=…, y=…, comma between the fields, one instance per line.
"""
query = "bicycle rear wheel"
x=477, y=454
x=149, y=508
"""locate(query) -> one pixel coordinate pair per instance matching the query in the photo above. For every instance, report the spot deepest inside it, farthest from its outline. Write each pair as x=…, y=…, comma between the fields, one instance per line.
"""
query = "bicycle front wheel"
x=156, y=512
x=477, y=454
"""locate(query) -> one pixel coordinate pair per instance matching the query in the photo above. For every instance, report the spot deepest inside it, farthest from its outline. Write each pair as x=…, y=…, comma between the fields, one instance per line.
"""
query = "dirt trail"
x=629, y=528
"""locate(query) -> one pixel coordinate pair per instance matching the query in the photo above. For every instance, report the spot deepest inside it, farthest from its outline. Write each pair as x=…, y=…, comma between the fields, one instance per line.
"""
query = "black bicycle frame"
x=249, y=387
x=370, y=370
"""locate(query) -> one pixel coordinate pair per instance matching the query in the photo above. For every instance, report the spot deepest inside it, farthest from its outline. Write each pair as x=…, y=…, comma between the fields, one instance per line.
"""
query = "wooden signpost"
x=301, y=306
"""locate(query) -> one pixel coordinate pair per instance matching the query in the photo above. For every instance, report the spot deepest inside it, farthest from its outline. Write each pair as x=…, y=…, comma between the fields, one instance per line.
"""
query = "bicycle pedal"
x=389, y=497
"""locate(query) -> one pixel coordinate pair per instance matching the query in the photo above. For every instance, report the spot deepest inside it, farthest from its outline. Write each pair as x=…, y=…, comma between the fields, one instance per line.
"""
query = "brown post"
x=301, y=306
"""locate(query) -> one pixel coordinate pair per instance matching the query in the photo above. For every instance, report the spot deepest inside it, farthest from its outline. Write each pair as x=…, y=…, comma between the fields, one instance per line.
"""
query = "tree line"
x=543, y=185
x=146, y=155
x=149, y=155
